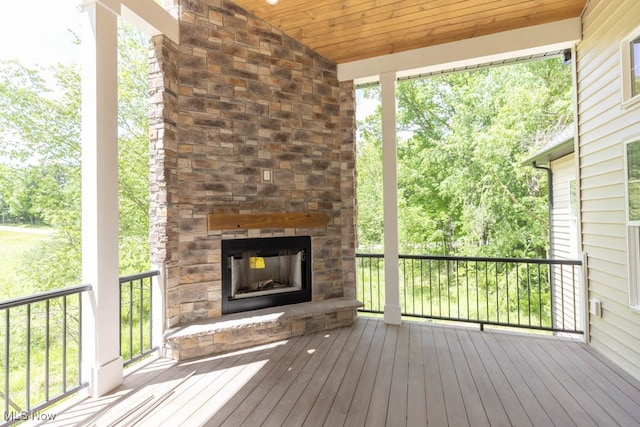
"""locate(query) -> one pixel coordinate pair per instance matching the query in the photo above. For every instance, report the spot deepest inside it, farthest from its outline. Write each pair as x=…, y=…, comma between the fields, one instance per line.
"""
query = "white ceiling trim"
x=151, y=18
x=146, y=15
x=503, y=46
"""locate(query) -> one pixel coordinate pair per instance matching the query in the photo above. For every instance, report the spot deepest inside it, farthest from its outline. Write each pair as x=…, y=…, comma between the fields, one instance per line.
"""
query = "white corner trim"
x=532, y=40
x=151, y=18
x=146, y=15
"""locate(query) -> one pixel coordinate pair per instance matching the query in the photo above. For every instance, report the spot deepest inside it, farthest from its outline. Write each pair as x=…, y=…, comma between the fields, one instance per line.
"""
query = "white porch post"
x=101, y=331
x=390, y=199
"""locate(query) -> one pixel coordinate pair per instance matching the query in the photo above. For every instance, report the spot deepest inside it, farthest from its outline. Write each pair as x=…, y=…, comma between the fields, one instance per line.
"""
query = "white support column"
x=101, y=307
x=392, y=312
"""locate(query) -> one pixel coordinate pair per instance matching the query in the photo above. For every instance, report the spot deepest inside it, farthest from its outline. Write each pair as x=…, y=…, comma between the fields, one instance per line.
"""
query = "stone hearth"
x=240, y=330
x=247, y=121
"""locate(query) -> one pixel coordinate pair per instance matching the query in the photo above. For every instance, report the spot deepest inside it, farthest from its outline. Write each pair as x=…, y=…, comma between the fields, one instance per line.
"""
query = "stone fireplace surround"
x=246, y=120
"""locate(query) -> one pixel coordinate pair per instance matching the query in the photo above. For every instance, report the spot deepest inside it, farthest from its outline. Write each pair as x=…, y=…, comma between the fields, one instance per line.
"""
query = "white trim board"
x=526, y=41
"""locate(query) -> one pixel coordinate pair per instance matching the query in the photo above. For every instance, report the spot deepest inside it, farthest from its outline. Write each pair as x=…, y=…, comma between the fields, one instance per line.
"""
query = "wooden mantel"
x=235, y=221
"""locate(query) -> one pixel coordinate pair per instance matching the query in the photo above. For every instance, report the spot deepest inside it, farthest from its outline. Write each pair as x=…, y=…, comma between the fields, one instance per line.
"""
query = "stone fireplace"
x=265, y=272
x=247, y=123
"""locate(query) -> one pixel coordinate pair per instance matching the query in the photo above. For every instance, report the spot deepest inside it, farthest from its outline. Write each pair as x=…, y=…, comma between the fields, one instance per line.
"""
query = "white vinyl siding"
x=564, y=246
x=603, y=125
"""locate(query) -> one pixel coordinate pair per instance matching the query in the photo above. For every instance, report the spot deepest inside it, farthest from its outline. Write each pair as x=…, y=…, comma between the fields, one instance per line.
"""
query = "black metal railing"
x=41, y=358
x=540, y=294
x=136, y=326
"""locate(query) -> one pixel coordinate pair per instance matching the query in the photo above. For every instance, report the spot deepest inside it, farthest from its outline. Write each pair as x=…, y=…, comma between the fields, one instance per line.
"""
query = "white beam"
x=101, y=307
x=392, y=311
x=151, y=18
x=532, y=40
x=146, y=15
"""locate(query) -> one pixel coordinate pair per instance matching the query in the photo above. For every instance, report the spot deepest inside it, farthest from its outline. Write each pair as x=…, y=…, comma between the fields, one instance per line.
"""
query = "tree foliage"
x=462, y=138
x=40, y=161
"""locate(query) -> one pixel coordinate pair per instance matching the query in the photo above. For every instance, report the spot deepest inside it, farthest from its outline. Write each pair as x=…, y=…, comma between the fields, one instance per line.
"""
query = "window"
x=635, y=66
x=630, y=61
x=632, y=154
x=632, y=190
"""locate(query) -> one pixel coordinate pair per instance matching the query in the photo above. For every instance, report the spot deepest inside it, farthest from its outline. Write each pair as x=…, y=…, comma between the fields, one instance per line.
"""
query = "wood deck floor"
x=373, y=374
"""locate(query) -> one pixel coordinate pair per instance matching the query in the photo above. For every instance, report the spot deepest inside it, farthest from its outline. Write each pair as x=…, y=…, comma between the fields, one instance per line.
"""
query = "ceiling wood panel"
x=350, y=30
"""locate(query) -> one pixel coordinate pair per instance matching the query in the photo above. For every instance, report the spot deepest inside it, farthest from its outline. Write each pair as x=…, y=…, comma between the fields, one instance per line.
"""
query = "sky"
x=44, y=37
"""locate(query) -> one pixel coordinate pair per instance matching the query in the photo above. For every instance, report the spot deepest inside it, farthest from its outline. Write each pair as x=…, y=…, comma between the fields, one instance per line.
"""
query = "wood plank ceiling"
x=349, y=30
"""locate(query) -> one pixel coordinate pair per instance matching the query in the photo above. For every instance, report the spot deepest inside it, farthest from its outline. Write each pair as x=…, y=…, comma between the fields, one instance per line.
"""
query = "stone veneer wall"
x=237, y=97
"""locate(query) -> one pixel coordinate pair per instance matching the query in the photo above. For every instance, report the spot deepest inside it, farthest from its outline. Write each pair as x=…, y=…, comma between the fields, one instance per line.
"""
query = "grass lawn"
x=14, y=241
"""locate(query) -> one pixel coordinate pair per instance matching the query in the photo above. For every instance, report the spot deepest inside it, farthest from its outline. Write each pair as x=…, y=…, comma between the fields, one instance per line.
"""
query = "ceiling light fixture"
x=272, y=2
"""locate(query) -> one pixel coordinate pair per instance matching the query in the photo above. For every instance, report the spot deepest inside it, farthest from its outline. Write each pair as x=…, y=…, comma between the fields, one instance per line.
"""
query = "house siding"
x=603, y=125
x=563, y=172
x=566, y=292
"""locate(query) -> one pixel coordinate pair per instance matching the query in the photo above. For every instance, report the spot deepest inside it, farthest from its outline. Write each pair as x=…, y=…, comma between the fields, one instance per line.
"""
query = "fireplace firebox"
x=265, y=272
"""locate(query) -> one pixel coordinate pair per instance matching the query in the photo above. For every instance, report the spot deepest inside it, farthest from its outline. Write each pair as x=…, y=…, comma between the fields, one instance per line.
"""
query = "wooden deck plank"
x=278, y=390
x=550, y=390
x=81, y=411
x=238, y=416
x=510, y=395
x=454, y=402
x=342, y=401
x=472, y=402
x=207, y=376
x=397, y=412
x=436, y=406
x=379, y=405
x=588, y=406
x=416, y=387
x=205, y=397
x=585, y=391
x=359, y=408
x=375, y=374
x=300, y=412
x=153, y=390
x=324, y=401
x=233, y=400
x=541, y=407
x=617, y=383
x=293, y=391
x=490, y=401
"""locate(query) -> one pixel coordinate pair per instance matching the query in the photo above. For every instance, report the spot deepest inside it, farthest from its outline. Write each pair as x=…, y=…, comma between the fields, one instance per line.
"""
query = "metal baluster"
x=28, y=364
x=141, y=317
x=7, y=348
x=529, y=290
x=64, y=344
x=130, y=319
x=47, y=351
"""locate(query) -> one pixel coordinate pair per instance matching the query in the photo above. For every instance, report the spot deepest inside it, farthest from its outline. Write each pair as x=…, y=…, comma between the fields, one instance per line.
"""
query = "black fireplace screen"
x=265, y=272
x=257, y=272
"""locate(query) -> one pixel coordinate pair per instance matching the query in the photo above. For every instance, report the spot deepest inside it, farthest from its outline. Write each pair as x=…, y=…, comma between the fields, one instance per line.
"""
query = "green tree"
x=40, y=124
x=369, y=179
x=462, y=139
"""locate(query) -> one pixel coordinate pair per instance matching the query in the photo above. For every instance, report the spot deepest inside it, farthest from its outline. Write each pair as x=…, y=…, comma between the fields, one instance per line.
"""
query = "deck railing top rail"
x=139, y=276
x=43, y=296
x=480, y=259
